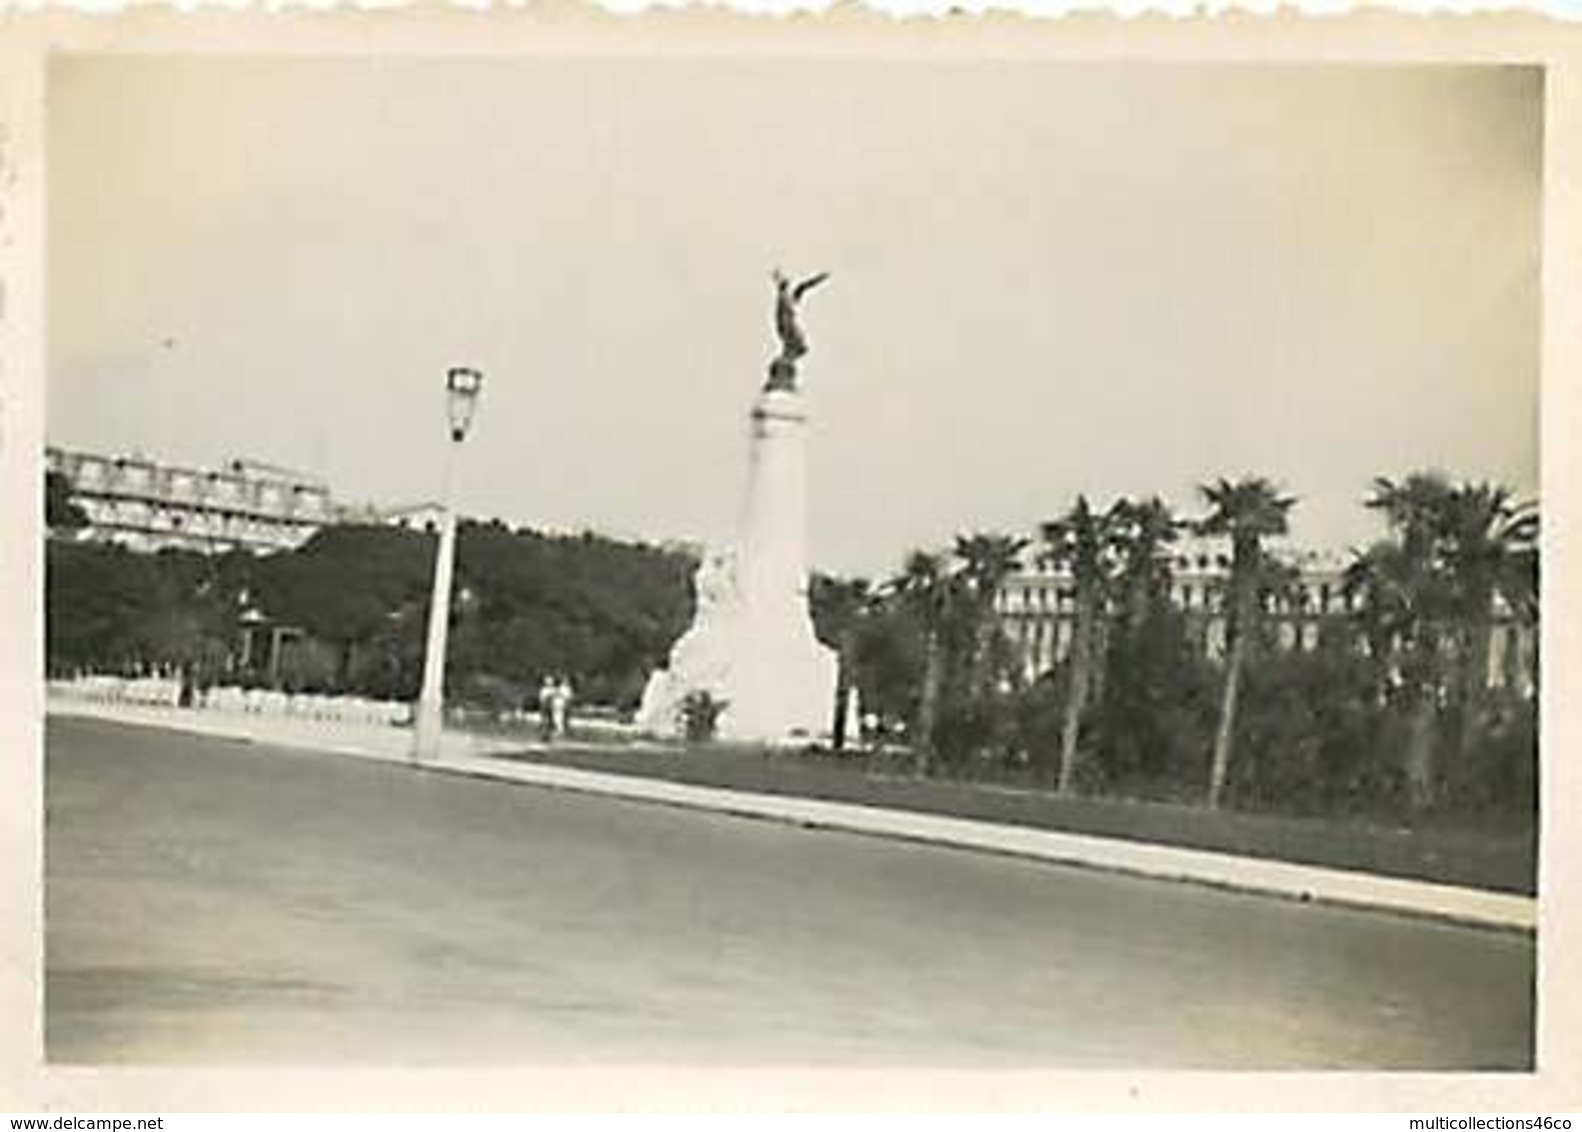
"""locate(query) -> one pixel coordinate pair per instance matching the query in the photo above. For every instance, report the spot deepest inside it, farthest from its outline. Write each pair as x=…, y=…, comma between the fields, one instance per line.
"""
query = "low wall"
x=163, y=691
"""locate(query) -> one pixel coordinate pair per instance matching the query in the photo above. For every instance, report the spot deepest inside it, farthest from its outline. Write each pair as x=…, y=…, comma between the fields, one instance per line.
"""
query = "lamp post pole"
x=462, y=386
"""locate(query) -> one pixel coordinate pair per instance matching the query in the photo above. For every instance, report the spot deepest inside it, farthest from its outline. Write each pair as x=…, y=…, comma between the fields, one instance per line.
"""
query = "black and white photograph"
x=858, y=562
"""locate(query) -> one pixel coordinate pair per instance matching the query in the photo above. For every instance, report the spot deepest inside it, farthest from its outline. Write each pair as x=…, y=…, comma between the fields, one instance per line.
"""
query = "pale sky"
x=1047, y=278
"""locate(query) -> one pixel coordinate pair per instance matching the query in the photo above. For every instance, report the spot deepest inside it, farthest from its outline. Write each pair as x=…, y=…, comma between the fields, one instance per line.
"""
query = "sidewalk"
x=478, y=757
x=1495, y=856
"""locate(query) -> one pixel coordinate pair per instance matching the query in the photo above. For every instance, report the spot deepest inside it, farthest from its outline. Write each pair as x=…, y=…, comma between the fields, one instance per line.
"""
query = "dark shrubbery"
x=700, y=716
x=603, y=613
x=1314, y=739
x=1401, y=728
x=1309, y=737
x=1497, y=773
x=1155, y=723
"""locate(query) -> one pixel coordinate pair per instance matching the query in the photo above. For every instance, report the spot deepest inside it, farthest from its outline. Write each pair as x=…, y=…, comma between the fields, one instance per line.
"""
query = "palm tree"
x=1455, y=549
x=1406, y=603
x=1079, y=541
x=1415, y=509
x=1248, y=511
x=1403, y=602
x=1490, y=548
x=927, y=588
x=839, y=608
x=1140, y=534
x=986, y=561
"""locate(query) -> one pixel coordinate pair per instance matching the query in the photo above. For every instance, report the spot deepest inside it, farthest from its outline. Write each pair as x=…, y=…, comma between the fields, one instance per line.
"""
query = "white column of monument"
x=753, y=646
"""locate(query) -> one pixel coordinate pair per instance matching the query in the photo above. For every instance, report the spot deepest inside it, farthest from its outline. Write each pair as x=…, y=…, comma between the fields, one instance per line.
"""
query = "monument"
x=751, y=645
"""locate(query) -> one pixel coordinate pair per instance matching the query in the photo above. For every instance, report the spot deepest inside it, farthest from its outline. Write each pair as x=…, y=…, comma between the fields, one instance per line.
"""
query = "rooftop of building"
x=240, y=467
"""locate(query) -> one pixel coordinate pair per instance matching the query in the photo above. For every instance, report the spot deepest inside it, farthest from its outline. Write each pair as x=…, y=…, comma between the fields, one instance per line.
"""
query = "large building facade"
x=1037, y=607
x=149, y=505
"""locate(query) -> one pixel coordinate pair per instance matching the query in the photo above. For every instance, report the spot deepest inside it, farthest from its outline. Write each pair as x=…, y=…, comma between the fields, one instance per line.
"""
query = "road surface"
x=217, y=902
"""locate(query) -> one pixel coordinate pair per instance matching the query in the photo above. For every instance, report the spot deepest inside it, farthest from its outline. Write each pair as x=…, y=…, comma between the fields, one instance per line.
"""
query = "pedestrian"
x=562, y=706
x=546, y=708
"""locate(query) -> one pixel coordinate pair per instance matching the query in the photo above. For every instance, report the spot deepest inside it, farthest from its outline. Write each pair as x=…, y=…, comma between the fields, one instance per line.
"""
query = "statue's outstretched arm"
x=807, y=285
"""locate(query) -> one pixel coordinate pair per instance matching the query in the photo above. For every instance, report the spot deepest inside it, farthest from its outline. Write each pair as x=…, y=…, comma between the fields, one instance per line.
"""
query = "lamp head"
x=462, y=388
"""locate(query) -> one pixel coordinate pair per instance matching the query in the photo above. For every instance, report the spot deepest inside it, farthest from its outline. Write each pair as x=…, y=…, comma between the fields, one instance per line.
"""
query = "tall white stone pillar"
x=751, y=644
x=771, y=547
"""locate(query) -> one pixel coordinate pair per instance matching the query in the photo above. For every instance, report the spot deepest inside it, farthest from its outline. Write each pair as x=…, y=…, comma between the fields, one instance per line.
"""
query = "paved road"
x=218, y=902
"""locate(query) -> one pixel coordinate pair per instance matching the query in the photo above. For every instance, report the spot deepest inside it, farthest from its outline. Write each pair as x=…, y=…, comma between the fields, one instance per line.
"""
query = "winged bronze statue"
x=793, y=343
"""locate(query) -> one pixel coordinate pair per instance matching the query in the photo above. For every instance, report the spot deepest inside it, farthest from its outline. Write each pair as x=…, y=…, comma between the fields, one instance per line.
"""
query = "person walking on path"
x=560, y=704
x=546, y=708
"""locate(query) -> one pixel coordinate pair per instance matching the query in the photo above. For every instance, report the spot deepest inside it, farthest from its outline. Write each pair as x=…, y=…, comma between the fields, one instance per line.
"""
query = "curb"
x=1258, y=876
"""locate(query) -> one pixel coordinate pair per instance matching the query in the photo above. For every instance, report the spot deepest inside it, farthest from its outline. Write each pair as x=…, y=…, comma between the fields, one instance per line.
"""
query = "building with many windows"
x=1037, y=607
x=149, y=505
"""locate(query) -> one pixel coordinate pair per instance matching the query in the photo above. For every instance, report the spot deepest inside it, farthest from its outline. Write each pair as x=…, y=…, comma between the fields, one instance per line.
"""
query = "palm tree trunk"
x=928, y=706
x=1224, y=736
x=1098, y=653
x=1077, y=694
x=1419, y=760
x=344, y=659
x=1138, y=602
x=983, y=673
x=1474, y=683
x=842, y=691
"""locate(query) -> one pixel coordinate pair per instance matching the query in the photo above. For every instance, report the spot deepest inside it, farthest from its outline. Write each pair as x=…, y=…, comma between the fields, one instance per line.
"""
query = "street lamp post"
x=462, y=387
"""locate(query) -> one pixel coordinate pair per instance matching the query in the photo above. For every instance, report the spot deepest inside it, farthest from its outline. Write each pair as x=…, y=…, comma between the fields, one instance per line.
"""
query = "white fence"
x=164, y=691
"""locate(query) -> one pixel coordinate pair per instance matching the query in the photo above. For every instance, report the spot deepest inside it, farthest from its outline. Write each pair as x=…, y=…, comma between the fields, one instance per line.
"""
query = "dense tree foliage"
x=60, y=512
x=601, y=612
x=1429, y=597
x=99, y=600
x=1081, y=544
x=840, y=609
x=1391, y=714
x=359, y=589
x=1360, y=725
x=1246, y=511
x=109, y=608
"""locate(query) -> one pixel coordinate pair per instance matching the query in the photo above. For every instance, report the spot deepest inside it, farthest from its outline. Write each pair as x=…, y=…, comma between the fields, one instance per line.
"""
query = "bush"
x=975, y=730
x=1037, y=715
x=700, y=715
x=1497, y=776
x=1309, y=737
x=1152, y=731
x=494, y=695
x=307, y=665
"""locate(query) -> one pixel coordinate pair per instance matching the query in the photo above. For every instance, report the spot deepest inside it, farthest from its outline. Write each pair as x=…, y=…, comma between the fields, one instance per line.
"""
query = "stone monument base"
x=751, y=646
x=773, y=676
